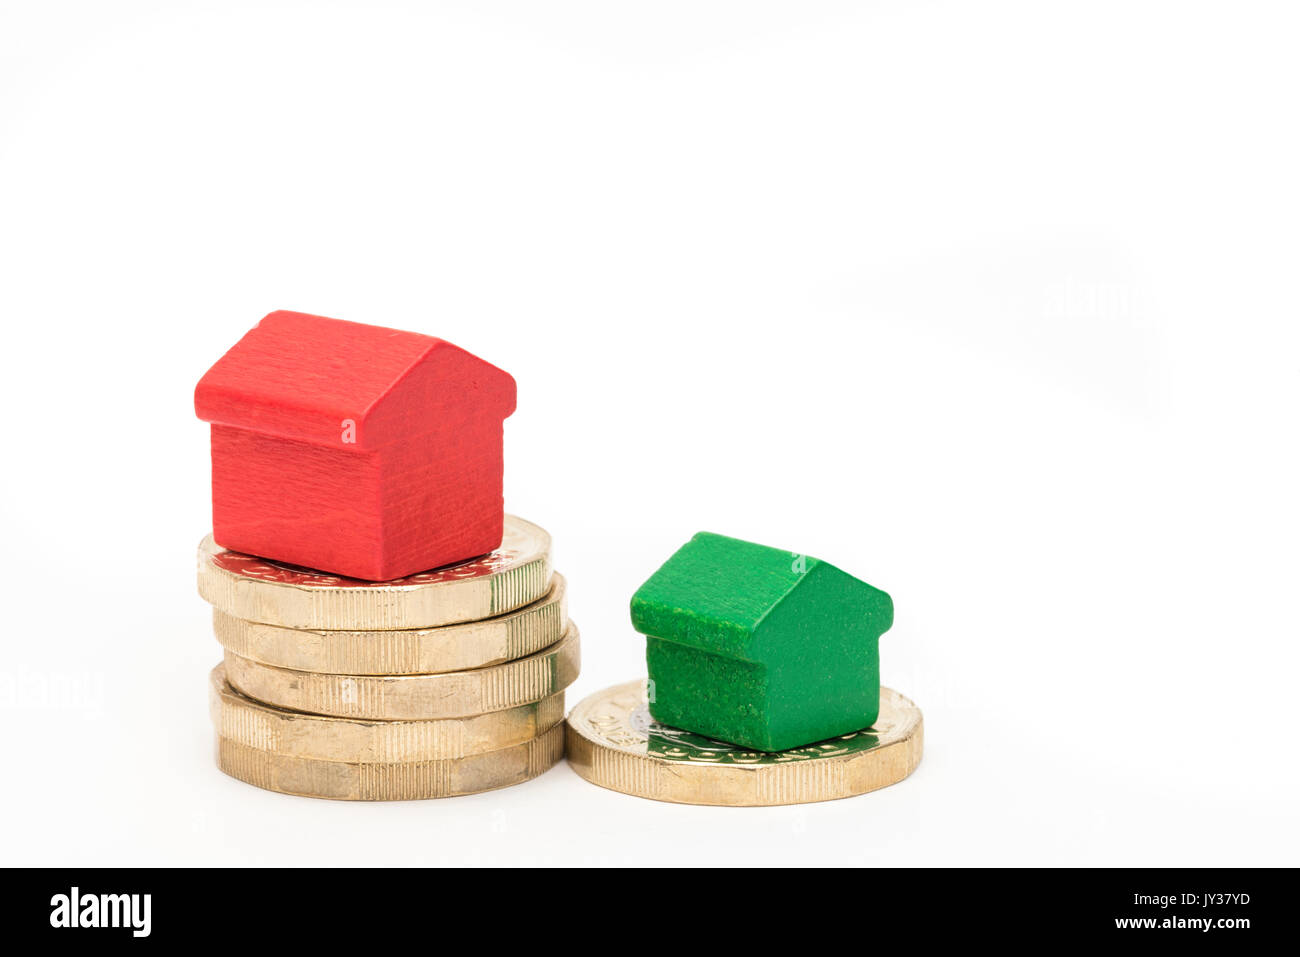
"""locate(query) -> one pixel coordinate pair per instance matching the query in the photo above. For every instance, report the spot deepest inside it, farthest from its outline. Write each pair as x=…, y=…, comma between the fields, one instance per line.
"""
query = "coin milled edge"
x=459, y=647
x=263, y=727
x=412, y=697
x=391, y=781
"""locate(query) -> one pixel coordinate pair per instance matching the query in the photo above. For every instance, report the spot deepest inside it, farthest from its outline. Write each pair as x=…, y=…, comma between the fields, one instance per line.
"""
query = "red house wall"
x=442, y=497
x=417, y=504
x=296, y=502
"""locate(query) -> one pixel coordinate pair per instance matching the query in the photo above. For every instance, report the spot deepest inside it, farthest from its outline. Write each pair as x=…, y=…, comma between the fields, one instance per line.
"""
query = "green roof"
x=714, y=592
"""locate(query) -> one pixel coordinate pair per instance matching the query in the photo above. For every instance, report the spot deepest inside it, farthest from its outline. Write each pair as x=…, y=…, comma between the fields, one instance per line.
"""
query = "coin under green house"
x=612, y=741
x=760, y=647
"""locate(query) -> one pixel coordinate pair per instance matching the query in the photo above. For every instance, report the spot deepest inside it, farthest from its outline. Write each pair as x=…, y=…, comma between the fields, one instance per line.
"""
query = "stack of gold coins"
x=443, y=683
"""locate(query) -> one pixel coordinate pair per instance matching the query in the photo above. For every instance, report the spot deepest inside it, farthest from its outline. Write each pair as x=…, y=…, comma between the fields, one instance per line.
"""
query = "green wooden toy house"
x=760, y=647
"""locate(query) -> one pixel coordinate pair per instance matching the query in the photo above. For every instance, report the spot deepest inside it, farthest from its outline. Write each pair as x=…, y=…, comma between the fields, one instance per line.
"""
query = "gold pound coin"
x=454, y=694
x=387, y=780
x=613, y=742
x=250, y=724
x=475, y=644
x=242, y=586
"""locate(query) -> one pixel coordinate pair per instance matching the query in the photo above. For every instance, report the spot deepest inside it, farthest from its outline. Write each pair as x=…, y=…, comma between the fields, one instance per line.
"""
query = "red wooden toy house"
x=353, y=449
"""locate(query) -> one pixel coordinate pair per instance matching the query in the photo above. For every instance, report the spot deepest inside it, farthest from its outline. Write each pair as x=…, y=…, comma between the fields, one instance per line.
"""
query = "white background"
x=992, y=305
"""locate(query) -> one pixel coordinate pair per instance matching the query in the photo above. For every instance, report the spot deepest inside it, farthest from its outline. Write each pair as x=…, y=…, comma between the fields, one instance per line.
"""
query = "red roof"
x=302, y=377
